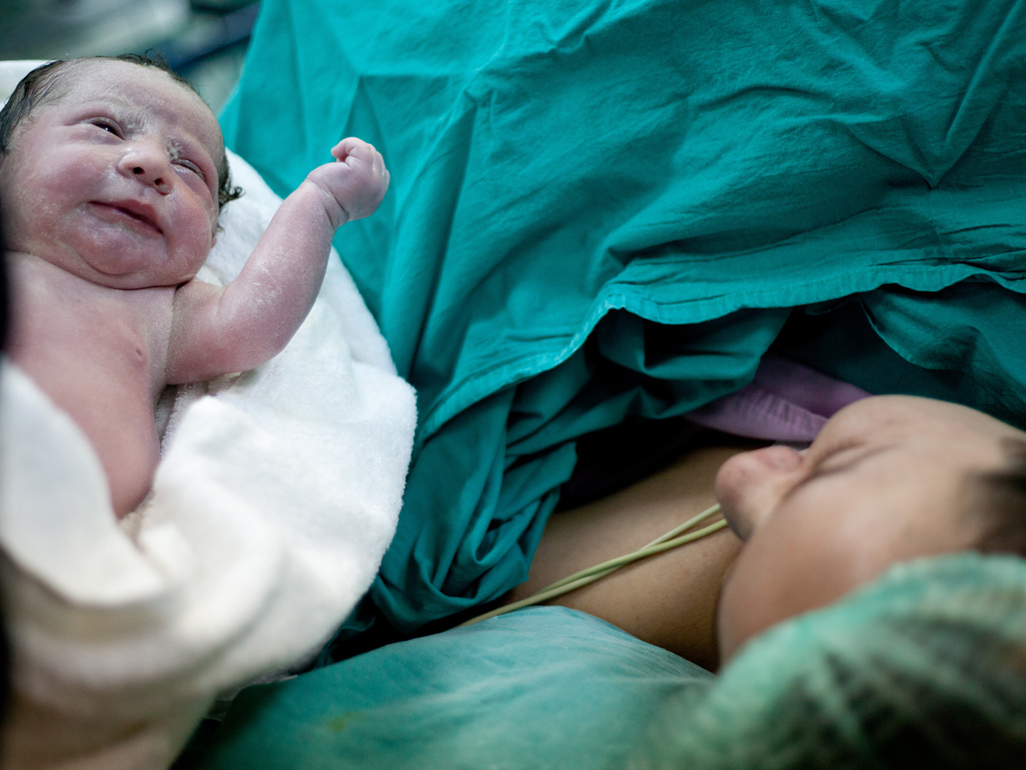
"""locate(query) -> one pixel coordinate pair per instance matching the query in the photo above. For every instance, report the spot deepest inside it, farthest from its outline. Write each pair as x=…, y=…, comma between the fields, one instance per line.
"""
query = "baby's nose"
x=157, y=181
x=149, y=166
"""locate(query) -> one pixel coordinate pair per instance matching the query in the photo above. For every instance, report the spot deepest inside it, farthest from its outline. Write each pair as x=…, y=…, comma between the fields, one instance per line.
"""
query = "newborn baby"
x=112, y=175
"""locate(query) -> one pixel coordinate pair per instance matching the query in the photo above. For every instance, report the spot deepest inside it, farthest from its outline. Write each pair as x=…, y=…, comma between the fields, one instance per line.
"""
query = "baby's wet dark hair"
x=43, y=85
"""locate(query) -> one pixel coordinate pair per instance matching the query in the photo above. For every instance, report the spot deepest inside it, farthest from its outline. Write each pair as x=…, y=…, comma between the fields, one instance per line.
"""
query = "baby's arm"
x=215, y=331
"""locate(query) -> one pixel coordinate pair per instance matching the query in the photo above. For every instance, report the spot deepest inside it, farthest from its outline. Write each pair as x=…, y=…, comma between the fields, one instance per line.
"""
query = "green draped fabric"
x=536, y=689
x=924, y=668
x=606, y=209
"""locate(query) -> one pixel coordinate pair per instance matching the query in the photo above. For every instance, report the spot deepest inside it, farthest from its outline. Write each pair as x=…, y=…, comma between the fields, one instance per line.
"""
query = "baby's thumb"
x=346, y=147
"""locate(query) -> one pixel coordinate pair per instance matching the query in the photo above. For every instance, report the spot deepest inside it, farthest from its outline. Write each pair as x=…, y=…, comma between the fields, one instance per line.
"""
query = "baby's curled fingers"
x=359, y=150
x=356, y=153
x=357, y=180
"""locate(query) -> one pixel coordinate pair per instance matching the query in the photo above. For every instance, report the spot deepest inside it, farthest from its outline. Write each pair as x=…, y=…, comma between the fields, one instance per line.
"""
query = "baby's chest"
x=117, y=336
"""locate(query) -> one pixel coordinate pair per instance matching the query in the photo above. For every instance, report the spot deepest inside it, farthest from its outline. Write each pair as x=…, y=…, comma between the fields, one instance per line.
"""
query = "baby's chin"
x=134, y=267
x=125, y=271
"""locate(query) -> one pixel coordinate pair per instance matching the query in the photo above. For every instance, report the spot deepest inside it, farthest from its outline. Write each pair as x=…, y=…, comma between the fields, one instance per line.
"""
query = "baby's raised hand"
x=357, y=181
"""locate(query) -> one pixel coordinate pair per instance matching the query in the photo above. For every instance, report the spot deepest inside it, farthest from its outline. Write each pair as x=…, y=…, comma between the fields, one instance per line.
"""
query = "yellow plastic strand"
x=619, y=560
x=670, y=540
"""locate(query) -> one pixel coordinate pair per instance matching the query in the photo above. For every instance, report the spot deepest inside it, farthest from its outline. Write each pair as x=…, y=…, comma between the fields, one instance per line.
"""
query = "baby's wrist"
x=313, y=194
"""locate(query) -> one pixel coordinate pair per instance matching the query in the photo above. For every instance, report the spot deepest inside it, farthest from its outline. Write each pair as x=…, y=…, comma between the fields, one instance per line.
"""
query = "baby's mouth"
x=132, y=212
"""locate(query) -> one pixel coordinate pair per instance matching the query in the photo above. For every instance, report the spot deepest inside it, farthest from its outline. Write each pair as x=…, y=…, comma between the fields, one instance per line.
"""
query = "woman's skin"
x=667, y=600
x=887, y=480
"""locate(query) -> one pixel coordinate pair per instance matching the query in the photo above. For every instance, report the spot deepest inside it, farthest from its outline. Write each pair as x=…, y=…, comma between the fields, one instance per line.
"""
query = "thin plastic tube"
x=670, y=540
x=619, y=561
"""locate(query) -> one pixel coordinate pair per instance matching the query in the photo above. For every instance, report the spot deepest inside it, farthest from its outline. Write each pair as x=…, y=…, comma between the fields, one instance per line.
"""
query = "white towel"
x=272, y=507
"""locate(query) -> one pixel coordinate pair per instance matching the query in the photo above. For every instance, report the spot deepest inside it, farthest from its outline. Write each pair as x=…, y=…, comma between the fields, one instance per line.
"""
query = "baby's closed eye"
x=188, y=165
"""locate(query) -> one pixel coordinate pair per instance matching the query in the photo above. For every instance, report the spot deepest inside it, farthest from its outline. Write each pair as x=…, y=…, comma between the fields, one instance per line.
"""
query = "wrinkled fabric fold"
x=608, y=210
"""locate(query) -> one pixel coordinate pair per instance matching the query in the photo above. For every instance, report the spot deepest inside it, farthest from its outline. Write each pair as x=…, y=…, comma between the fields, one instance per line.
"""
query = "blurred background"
x=204, y=40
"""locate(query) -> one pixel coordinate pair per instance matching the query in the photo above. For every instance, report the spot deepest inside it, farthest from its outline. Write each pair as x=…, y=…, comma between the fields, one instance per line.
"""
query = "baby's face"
x=116, y=180
x=885, y=481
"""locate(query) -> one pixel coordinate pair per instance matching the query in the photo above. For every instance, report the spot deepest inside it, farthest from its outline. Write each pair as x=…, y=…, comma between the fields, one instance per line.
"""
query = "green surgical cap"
x=925, y=667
